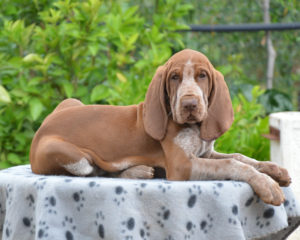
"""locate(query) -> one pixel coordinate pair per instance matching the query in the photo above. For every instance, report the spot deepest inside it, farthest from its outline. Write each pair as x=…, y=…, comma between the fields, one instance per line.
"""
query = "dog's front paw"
x=138, y=172
x=267, y=189
x=279, y=174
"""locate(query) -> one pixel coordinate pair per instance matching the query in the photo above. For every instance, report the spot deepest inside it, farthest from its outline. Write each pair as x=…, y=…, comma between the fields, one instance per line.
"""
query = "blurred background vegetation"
x=106, y=52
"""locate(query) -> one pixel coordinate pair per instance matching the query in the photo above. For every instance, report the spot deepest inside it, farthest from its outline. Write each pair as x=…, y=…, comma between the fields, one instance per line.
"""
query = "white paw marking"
x=80, y=168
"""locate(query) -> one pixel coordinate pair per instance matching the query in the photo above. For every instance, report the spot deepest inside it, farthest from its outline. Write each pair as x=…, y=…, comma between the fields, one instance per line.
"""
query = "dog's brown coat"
x=187, y=102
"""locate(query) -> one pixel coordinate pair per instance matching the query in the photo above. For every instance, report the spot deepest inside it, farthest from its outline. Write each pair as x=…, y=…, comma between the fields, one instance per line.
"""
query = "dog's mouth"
x=191, y=118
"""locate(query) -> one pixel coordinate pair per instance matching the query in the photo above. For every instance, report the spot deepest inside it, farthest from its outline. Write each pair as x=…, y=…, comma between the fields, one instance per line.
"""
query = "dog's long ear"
x=155, y=113
x=220, y=112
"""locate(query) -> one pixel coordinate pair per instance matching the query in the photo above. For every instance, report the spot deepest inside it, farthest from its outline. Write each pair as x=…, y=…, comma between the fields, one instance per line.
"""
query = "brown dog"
x=187, y=107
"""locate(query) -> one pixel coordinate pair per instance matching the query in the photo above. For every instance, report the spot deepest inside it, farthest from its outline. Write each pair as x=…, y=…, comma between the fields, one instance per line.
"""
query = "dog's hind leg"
x=56, y=156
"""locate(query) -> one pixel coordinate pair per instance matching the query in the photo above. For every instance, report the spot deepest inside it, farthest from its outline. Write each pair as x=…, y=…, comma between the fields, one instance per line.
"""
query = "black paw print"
x=264, y=220
x=28, y=223
x=2, y=211
x=128, y=225
x=195, y=188
x=235, y=212
x=290, y=205
x=7, y=229
x=68, y=180
x=31, y=201
x=206, y=224
x=244, y=221
x=78, y=199
x=169, y=238
x=192, y=200
x=190, y=227
x=193, y=192
x=140, y=187
x=69, y=228
x=9, y=191
x=50, y=204
x=100, y=227
x=93, y=184
x=42, y=230
x=40, y=184
x=249, y=201
x=216, y=187
x=163, y=215
x=145, y=231
x=165, y=186
x=236, y=184
x=120, y=195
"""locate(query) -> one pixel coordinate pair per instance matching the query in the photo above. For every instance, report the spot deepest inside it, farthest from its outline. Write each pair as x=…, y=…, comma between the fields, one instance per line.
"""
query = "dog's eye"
x=175, y=77
x=202, y=75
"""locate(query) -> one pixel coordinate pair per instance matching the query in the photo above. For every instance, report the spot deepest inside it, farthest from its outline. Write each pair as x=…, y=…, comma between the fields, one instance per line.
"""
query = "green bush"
x=250, y=122
x=106, y=52
x=97, y=51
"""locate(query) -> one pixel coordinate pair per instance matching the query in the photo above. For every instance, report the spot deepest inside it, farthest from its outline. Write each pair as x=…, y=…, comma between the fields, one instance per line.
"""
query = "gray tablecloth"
x=74, y=208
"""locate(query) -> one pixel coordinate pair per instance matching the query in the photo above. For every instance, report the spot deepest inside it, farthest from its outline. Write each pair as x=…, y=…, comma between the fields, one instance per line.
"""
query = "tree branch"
x=270, y=48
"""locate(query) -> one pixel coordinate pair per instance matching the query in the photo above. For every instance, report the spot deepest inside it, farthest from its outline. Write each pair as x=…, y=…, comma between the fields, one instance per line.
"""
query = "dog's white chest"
x=191, y=143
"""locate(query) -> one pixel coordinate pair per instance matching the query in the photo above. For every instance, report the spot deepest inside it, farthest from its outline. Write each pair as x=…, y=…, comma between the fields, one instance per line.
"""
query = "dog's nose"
x=189, y=104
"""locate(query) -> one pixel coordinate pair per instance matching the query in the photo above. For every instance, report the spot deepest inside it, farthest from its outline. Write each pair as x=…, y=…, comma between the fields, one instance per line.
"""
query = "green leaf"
x=121, y=77
x=4, y=95
x=93, y=49
x=14, y=159
x=32, y=57
x=99, y=92
x=36, y=108
x=68, y=88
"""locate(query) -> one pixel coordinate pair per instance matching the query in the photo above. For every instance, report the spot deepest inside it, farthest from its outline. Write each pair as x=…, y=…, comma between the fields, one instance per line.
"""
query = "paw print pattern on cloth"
x=145, y=231
x=9, y=191
x=191, y=200
x=195, y=189
x=234, y=220
x=31, y=201
x=253, y=199
x=140, y=187
x=236, y=184
x=128, y=227
x=164, y=187
x=120, y=193
x=216, y=188
x=68, y=180
x=40, y=184
x=69, y=228
x=163, y=216
x=50, y=204
x=206, y=224
x=7, y=230
x=78, y=199
x=2, y=211
x=193, y=192
x=29, y=224
x=290, y=205
x=42, y=230
x=93, y=184
x=190, y=227
x=169, y=238
x=265, y=219
x=99, y=225
x=244, y=221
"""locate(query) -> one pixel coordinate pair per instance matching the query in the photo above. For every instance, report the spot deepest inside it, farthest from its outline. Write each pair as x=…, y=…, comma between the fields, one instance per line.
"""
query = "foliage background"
x=106, y=52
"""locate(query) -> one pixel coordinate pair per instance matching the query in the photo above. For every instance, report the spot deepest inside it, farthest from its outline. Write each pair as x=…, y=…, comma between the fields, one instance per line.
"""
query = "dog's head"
x=191, y=91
